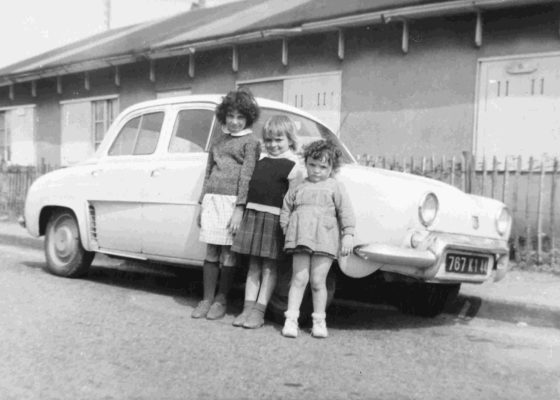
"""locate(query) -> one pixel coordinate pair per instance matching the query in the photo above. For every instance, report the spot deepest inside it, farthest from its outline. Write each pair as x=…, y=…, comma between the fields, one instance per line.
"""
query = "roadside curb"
x=468, y=307
x=13, y=240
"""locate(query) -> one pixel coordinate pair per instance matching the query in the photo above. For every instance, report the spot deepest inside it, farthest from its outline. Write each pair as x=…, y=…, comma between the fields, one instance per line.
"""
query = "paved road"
x=124, y=334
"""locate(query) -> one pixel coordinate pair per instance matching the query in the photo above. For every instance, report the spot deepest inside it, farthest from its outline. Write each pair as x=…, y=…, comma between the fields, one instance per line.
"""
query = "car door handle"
x=156, y=172
x=95, y=172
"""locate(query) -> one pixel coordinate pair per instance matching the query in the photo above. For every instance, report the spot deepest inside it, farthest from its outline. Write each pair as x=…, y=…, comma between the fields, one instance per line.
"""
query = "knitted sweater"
x=231, y=162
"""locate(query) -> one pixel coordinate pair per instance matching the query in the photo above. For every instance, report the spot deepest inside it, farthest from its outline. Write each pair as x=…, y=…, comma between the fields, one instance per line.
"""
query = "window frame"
x=174, y=119
x=6, y=155
x=110, y=106
x=140, y=114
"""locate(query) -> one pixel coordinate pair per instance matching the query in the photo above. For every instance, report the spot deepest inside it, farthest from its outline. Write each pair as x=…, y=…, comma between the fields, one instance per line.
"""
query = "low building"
x=391, y=77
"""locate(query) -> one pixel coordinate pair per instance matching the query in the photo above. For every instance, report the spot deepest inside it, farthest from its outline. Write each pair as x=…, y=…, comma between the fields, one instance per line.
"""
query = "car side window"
x=190, y=131
x=139, y=136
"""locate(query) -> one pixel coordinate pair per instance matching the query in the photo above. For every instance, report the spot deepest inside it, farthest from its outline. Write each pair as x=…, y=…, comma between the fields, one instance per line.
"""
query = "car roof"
x=216, y=99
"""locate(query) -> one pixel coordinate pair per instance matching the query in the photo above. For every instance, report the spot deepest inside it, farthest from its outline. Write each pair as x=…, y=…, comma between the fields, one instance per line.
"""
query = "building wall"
x=423, y=102
x=420, y=103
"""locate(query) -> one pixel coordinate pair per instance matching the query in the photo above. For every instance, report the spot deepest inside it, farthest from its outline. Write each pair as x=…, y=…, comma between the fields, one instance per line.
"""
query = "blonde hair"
x=279, y=125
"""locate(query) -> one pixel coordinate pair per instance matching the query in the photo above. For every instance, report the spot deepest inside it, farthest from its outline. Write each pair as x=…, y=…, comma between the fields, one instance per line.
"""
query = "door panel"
x=76, y=138
x=120, y=181
x=170, y=206
x=519, y=107
x=318, y=95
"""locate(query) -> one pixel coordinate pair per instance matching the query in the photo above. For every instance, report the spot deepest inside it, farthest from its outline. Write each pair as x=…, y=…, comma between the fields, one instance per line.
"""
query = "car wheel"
x=426, y=299
x=63, y=248
x=278, y=303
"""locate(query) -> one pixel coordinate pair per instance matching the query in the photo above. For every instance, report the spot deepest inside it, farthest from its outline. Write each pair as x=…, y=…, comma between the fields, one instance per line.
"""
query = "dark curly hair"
x=324, y=150
x=242, y=101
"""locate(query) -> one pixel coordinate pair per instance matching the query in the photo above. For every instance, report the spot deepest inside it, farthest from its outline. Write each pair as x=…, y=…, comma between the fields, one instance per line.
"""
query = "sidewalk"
x=522, y=297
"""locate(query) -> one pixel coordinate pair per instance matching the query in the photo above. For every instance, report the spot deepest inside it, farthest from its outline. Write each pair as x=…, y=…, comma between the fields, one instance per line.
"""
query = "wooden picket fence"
x=527, y=186
x=14, y=183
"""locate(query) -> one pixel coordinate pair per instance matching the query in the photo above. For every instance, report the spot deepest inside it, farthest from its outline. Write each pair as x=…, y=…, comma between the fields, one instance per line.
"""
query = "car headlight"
x=503, y=221
x=428, y=209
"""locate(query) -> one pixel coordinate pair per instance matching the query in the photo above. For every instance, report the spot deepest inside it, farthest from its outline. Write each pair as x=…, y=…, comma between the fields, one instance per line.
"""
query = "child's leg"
x=251, y=289
x=300, y=278
x=301, y=263
x=228, y=261
x=320, y=266
x=253, y=283
x=210, y=272
x=268, y=282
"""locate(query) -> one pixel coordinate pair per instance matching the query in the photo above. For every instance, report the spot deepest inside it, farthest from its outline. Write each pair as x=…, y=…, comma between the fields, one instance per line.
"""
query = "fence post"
x=539, y=215
x=506, y=173
x=494, y=175
x=514, y=211
x=552, y=214
x=483, y=175
x=453, y=171
x=463, y=173
x=528, y=240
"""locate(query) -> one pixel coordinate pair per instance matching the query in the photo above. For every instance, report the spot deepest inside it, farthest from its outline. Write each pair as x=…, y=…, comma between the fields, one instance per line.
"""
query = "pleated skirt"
x=259, y=235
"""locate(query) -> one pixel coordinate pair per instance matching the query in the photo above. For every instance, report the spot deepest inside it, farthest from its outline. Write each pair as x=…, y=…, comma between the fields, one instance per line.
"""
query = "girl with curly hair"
x=231, y=161
x=318, y=221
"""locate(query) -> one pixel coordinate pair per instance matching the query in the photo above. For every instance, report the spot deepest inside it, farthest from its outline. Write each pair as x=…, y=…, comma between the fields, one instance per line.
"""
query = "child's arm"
x=346, y=219
x=252, y=152
x=209, y=165
x=251, y=155
x=287, y=207
x=297, y=175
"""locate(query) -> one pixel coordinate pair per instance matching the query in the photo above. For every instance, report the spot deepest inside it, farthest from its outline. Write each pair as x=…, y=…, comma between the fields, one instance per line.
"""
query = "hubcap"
x=64, y=245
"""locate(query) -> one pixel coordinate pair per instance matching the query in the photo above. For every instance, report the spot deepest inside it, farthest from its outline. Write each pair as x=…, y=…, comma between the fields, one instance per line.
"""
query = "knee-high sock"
x=226, y=280
x=210, y=272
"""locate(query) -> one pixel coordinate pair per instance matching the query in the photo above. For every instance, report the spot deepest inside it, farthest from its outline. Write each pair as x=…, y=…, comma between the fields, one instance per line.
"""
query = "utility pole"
x=107, y=14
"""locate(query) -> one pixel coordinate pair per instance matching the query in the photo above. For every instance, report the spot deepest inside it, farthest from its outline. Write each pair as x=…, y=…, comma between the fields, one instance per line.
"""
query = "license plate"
x=464, y=264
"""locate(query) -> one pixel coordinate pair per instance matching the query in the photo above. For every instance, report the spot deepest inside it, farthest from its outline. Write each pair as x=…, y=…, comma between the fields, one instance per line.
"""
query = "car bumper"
x=428, y=261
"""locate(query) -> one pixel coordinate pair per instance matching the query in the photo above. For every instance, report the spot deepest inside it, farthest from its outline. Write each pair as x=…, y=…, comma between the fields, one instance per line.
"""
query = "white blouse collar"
x=243, y=132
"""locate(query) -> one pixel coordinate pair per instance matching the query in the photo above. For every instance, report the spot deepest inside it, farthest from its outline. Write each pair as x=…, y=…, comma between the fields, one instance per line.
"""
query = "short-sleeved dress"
x=314, y=215
x=260, y=233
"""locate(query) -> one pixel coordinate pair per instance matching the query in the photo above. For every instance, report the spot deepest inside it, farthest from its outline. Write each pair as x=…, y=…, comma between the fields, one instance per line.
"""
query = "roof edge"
x=380, y=17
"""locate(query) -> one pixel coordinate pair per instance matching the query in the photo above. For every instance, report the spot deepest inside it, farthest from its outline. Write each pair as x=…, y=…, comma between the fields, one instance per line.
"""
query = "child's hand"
x=235, y=221
x=198, y=217
x=347, y=244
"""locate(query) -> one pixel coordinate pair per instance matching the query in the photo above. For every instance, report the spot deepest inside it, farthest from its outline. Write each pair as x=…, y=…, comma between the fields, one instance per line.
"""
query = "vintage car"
x=137, y=198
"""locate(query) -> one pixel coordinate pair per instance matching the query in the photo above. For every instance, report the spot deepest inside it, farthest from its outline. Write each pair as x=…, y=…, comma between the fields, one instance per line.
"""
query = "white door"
x=20, y=123
x=76, y=142
x=319, y=95
x=121, y=179
x=175, y=182
x=519, y=107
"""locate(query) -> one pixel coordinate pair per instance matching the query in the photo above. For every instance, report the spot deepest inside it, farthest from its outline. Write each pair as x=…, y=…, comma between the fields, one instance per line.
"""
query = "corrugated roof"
x=223, y=24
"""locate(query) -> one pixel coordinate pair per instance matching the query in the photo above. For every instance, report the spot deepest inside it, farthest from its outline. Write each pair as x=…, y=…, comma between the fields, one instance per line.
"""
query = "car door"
x=175, y=182
x=119, y=181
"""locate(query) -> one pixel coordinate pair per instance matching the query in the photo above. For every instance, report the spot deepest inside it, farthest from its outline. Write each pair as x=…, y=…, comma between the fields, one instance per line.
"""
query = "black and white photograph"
x=266, y=199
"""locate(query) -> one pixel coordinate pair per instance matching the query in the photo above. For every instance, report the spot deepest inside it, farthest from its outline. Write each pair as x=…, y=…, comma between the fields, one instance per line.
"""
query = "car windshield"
x=307, y=130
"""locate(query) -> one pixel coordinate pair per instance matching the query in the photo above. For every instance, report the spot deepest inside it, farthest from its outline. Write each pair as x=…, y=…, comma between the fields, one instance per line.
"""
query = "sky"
x=31, y=27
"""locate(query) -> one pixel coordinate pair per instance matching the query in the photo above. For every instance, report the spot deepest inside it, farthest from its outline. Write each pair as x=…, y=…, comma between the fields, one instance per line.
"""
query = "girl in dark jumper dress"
x=260, y=235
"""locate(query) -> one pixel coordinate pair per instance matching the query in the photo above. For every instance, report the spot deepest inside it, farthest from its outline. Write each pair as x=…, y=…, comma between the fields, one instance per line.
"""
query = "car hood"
x=386, y=201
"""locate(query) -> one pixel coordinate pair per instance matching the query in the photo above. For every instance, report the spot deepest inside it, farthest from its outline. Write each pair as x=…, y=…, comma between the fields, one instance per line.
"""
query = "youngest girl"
x=315, y=215
x=260, y=235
